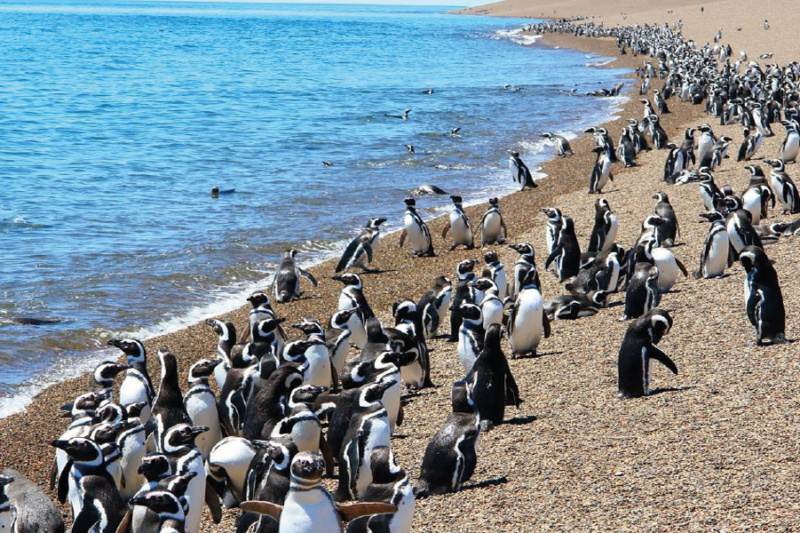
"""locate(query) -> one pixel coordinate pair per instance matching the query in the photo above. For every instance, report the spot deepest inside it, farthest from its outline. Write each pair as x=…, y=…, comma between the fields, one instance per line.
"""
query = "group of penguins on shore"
x=145, y=459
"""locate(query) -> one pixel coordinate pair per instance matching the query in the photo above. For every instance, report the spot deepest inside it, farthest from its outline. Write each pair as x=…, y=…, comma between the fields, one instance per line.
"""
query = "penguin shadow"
x=615, y=304
x=410, y=396
x=376, y=271
x=671, y=389
x=519, y=420
x=502, y=480
x=537, y=355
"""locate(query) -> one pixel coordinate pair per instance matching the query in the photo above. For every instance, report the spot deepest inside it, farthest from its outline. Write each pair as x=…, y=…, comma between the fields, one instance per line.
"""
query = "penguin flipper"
x=327, y=454
x=368, y=248
x=512, y=391
x=550, y=258
x=125, y=525
x=54, y=474
x=654, y=353
x=63, y=482
x=267, y=508
x=348, y=254
x=401, y=415
x=403, y=237
x=445, y=230
x=351, y=511
x=306, y=274
x=546, y=326
x=682, y=267
x=212, y=501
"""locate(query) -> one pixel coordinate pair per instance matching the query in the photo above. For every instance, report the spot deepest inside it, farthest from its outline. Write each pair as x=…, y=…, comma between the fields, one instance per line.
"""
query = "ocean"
x=119, y=117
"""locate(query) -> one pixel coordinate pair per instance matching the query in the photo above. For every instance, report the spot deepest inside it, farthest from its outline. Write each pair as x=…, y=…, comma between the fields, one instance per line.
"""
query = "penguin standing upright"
x=470, y=335
x=705, y=145
x=492, y=384
x=601, y=172
x=495, y=271
x=642, y=293
x=525, y=263
x=409, y=321
x=352, y=297
x=313, y=358
x=433, y=305
x=762, y=297
x=520, y=172
x=452, y=453
x=286, y=281
x=136, y=387
x=458, y=225
x=492, y=306
x=605, y=227
x=337, y=337
x=168, y=408
x=638, y=348
x=132, y=445
x=626, y=152
x=185, y=458
x=784, y=187
x=463, y=293
x=262, y=310
x=665, y=233
x=493, y=228
x=201, y=405
x=567, y=253
x=659, y=136
x=714, y=258
x=361, y=249
x=554, y=222
x=527, y=323
x=791, y=144
x=417, y=231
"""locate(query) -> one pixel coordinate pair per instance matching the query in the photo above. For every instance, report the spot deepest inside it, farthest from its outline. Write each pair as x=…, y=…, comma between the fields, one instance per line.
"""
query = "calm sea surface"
x=117, y=118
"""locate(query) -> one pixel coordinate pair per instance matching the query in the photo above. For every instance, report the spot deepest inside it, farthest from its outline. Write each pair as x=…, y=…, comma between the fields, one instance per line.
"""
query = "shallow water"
x=119, y=117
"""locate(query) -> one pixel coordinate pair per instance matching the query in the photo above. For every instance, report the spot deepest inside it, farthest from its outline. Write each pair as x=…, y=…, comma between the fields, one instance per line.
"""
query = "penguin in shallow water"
x=201, y=405
x=520, y=172
x=763, y=298
x=638, y=348
x=452, y=453
x=493, y=228
x=361, y=249
x=286, y=281
x=30, y=510
x=563, y=149
x=433, y=305
x=527, y=322
x=490, y=379
x=136, y=387
x=417, y=232
x=458, y=225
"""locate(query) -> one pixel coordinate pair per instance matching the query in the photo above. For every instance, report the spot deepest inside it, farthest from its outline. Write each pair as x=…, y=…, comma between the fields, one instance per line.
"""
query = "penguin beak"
x=60, y=444
x=386, y=385
x=115, y=342
x=197, y=430
x=337, y=278
x=213, y=363
x=138, y=500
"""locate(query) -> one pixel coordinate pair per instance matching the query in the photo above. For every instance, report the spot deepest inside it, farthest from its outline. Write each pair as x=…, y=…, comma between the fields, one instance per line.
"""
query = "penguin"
x=470, y=335
x=705, y=145
x=154, y=468
x=491, y=306
x=308, y=507
x=574, y=306
x=201, y=405
x=661, y=103
x=638, y=348
x=791, y=144
x=603, y=140
x=525, y=263
x=408, y=321
x=462, y=294
x=784, y=187
x=648, y=231
x=687, y=148
x=286, y=281
x=458, y=225
x=520, y=172
x=492, y=226
x=756, y=200
x=337, y=337
x=104, y=374
x=642, y=293
x=665, y=232
x=386, y=367
x=131, y=441
x=527, y=323
x=563, y=149
x=719, y=152
x=659, y=136
x=626, y=152
x=352, y=297
x=314, y=360
x=262, y=310
x=136, y=387
x=301, y=424
x=29, y=509
x=226, y=346
x=268, y=481
x=391, y=485
x=452, y=454
x=228, y=466
x=669, y=266
x=268, y=405
x=168, y=408
x=750, y=145
x=360, y=250
x=567, y=253
x=490, y=379
x=709, y=192
x=433, y=305
x=739, y=226
x=763, y=298
x=601, y=172
x=417, y=231
x=495, y=271
x=369, y=428
x=429, y=190
x=714, y=257
x=166, y=506
x=605, y=227
x=553, y=230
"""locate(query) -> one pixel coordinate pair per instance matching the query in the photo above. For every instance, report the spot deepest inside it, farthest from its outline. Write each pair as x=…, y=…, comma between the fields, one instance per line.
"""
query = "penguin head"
x=306, y=394
x=202, y=369
x=154, y=466
x=384, y=468
x=599, y=297
x=443, y=282
x=181, y=435
x=493, y=202
x=307, y=469
x=553, y=213
x=661, y=197
x=289, y=254
x=774, y=163
x=85, y=403
x=523, y=248
x=278, y=450
x=106, y=371
x=461, y=397
x=310, y=326
x=398, y=359
x=490, y=257
x=705, y=128
x=5, y=480
x=224, y=330
x=215, y=192
x=295, y=349
x=179, y=483
x=267, y=326
x=81, y=450
x=257, y=299
x=410, y=202
x=465, y=268
x=457, y=200
x=712, y=216
x=109, y=412
x=375, y=222
x=690, y=133
x=132, y=348
x=659, y=324
x=162, y=502
x=340, y=318
x=514, y=154
x=734, y=203
x=106, y=432
x=373, y=393
x=404, y=310
x=484, y=284
x=601, y=204
x=471, y=313
x=349, y=280
x=753, y=257
x=569, y=226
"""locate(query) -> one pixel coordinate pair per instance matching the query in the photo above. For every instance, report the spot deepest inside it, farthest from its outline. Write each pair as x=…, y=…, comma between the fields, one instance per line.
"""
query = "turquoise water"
x=117, y=118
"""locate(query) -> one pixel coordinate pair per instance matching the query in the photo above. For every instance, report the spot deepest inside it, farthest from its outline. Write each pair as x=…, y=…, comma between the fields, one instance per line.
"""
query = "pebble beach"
x=713, y=448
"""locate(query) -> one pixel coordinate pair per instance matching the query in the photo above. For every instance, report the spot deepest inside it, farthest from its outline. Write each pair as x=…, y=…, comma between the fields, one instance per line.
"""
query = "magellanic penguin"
x=268, y=481
x=715, y=256
x=574, y=306
x=740, y=227
x=337, y=337
x=29, y=509
x=493, y=228
x=433, y=305
x=314, y=360
x=605, y=227
x=352, y=297
x=409, y=322
x=555, y=221
x=104, y=374
x=490, y=379
x=417, y=232
x=470, y=335
x=262, y=310
x=527, y=323
x=784, y=187
x=452, y=453
x=705, y=145
x=525, y=263
x=567, y=253
x=168, y=408
x=268, y=405
x=495, y=271
x=791, y=144
x=458, y=225
x=763, y=298
x=201, y=405
x=563, y=149
x=463, y=293
x=520, y=172
x=308, y=507
x=492, y=306
x=361, y=249
x=228, y=467
x=136, y=387
x=658, y=135
x=165, y=505
x=626, y=152
x=601, y=172
x=286, y=281
x=665, y=233
x=638, y=348
x=642, y=293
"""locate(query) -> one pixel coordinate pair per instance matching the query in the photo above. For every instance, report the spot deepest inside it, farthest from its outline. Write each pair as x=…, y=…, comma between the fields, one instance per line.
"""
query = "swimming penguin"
x=352, y=297
x=201, y=405
x=428, y=189
x=567, y=253
x=463, y=293
x=763, y=298
x=525, y=263
x=360, y=250
x=404, y=116
x=29, y=509
x=638, y=348
x=458, y=224
x=714, y=258
x=369, y=428
x=491, y=305
x=605, y=227
x=286, y=281
x=563, y=149
x=490, y=379
x=554, y=222
x=391, y=485
x=470, y=335
x=601, y=172
x=136, y=387
x=493, y=228
x=642, y=293
x=520, y=172
x=452, y=453
x=784, y=187
x=574, y=306
x=665, y=233
x=791, y=144
x=433, y=305
x=527, y=322
x=308, y=507
x=417, y=231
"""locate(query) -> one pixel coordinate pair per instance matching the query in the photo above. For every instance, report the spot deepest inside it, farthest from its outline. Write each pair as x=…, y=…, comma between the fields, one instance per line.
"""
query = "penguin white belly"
x=195, y=494
x=202, y=410
x=550, y=238
x=444, y=303
x=339, y=356
x=6, y=522
x=417, y=238
x=491, y=227
x=133, y=450
x=528, y=325
x=346, y=302
x=777, y=186
x=733, y=236
x=708, y=200
x=131, y=391
x=492, y=310
x=462, y=234
x=233, y=455
x=358, y=334
x=792, y=148
x=413, y=374
x=502, y=284
x=319, y=367
x=467, y=348
x=391, y=402
x=309, y=511
x=380, y=434
x=667, y=268
x=221, y=374
x=401, y=521
x=305, y=435
x=611, y=235
x=752, y=202
x=76, y=494
x=717, y=259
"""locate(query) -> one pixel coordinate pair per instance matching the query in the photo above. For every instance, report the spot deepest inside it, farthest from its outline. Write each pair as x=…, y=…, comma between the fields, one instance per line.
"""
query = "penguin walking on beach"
x=136, y=387
x=286, y=281
x=567, y=253
x=638, y=348
x=458, y=225
x=361, y=249
x=493, y=228
x=714, y=258
x=433, y=305
x=415, y=229
x=495, y=271
x=563, y=149
x=763, y=297
x=601, y=172
x=491, y=381
x=520, y=172
x=463, y=293
x=784, y=187
x=527, y=322
x=201, y=405
x=604, y=231
x=525, y=263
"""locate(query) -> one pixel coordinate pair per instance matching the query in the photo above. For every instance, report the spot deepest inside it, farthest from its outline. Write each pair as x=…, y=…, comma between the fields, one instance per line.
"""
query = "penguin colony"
x=263, y=422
